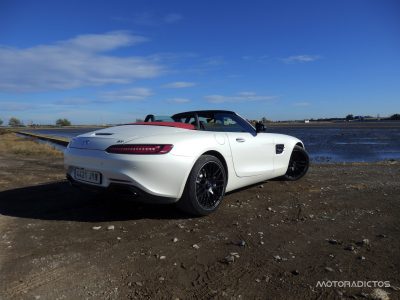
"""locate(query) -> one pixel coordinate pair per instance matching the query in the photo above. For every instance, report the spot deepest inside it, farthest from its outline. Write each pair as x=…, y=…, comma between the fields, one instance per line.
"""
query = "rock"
x=195, y=246
x=328, y=269
x=241, y=243
x=162, y=257
x=229, y=259
x=277, y=258
x=175, y=239
x=110, y=227
x=269, y=209
x=333, y=242
x=361, y=258
x=295, y=272
x=378, y=294
x=365, y=242
x=261, y=242
x=96, y=227
x=350, y=248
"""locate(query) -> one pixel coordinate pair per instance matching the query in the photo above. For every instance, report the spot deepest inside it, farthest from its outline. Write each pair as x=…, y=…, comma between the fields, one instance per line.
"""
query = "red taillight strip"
x=139, y=149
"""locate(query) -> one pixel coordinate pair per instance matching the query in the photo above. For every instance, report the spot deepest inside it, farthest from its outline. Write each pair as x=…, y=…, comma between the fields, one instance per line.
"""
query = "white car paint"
x=249, y=158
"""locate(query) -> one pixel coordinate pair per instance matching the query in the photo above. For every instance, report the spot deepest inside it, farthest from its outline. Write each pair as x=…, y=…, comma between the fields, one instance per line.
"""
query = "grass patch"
x=11, y=143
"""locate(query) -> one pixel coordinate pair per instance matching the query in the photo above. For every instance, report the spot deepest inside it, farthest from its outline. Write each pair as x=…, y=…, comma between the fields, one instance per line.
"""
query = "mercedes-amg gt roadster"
x=192, y=158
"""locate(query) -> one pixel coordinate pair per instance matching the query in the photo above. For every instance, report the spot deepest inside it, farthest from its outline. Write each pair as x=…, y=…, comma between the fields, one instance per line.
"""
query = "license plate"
x=88, y=176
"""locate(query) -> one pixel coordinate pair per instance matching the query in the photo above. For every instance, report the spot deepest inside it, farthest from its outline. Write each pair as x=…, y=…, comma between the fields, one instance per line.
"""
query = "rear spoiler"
x=168, y=124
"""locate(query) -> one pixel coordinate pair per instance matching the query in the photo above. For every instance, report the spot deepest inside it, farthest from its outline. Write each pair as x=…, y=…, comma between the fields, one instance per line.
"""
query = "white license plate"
x=88, y=176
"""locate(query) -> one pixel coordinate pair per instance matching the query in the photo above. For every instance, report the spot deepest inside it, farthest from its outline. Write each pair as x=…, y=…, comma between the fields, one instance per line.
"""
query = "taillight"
x=139, y=149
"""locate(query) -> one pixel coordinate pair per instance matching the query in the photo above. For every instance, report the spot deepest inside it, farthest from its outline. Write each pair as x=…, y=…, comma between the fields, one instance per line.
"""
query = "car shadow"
x=60, y=201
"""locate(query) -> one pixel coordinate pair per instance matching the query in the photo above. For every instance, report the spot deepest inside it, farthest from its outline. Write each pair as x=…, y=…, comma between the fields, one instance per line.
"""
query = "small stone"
x=118, y=238
x=258, y=280
x=333, y=242
x=311, y=216
x=365, y=242
x=269, y=209
x=138, y=283
x=266, y=278
x=349, y=248
x=229, y=259
x=175, y=239
x=235, y=254
x=378, y=294
x=261, y=242
x=277, y=258
x=162, y=257
x=295, y=272
x=195, y=246
x=161, y=278
x=110, y=227
x=241, y=243
x=382, y=235
x=361, y=258
x=261, y=186
x=328, y=269
x=96, y=227
x=258, y=196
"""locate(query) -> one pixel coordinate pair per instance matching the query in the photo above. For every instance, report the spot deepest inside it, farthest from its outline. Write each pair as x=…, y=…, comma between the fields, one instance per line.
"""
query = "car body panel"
x=247, y=162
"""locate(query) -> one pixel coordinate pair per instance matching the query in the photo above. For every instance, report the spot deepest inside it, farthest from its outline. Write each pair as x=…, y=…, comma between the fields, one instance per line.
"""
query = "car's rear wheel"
x=205, y=187
x=298, y=164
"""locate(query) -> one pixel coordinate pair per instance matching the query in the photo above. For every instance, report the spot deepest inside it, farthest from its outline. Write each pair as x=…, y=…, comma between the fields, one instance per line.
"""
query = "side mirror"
x=260, y=127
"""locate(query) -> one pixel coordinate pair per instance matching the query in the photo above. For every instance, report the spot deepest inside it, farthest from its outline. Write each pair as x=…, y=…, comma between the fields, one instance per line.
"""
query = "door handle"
x=240, y=140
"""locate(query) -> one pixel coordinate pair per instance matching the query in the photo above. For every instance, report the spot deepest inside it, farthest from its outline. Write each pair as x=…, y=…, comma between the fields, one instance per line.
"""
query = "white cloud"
x=178, y=100
x=302, y=104
x=146, y=18
x=214, y=61
x=15, y=106
x=179, y=85
x=133, y=94
x=240, y=97
x=172, y=18
x=74, y=63
x=301, y=58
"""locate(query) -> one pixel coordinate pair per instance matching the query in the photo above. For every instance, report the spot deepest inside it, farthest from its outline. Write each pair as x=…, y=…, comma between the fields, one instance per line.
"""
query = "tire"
x=298, y=164
x=205, y=187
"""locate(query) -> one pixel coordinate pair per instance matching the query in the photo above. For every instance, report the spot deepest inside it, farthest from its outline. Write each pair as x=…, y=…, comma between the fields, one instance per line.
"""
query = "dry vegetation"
x=11, y=143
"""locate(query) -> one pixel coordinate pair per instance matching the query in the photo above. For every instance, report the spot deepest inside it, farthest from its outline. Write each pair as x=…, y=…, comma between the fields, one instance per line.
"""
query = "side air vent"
x=104, y=133
x=279, y=148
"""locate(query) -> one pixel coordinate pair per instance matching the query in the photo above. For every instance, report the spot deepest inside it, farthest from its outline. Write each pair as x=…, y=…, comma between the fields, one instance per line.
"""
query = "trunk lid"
x=104, y=138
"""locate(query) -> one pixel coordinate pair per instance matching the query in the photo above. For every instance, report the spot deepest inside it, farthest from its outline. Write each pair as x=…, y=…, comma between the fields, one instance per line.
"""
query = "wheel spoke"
x=210, y=184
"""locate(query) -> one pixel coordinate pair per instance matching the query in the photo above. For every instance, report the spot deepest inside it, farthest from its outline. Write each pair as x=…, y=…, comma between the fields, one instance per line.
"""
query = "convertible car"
x=191, y=158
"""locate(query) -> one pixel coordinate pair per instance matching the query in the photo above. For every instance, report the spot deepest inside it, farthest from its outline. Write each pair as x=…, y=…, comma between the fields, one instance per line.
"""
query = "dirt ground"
x=275, y=240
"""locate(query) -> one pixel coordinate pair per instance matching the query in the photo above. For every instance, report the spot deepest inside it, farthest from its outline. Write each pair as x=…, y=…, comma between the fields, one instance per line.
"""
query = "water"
x=346, y=144
x=324, y=144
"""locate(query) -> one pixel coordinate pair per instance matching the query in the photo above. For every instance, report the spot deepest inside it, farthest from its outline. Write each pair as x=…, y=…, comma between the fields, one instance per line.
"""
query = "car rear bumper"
x=157, y=175
x=123, y=189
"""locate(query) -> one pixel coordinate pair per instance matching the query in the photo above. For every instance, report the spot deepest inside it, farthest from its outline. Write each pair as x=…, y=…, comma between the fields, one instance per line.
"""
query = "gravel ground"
x=275, y=240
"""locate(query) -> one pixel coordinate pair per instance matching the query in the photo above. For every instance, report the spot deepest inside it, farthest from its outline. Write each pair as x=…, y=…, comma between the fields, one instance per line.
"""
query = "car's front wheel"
x=298, y=164
x=205, y=187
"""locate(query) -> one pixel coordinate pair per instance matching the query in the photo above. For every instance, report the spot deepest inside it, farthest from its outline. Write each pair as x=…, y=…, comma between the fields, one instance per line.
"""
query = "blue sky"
x=115, y=61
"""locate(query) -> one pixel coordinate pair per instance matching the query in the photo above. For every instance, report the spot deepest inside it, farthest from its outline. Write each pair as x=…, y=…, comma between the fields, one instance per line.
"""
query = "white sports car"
x=192, y=158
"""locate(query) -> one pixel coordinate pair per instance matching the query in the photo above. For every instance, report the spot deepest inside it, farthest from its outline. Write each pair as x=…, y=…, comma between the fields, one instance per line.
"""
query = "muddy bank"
x=275, y=240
